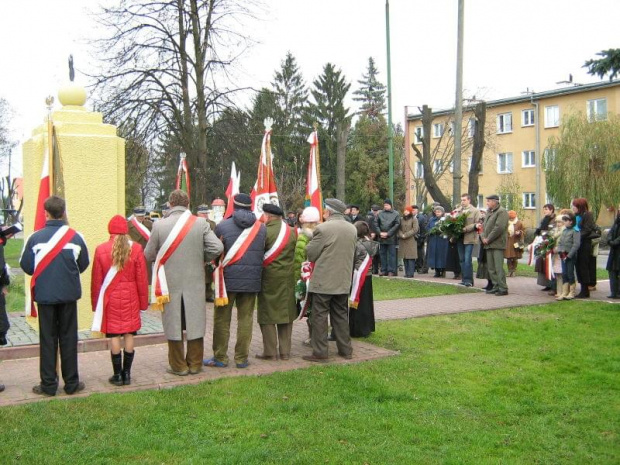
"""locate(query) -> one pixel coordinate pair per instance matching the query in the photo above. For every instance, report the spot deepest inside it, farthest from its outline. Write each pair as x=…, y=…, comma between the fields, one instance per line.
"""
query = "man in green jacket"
x=494, y=241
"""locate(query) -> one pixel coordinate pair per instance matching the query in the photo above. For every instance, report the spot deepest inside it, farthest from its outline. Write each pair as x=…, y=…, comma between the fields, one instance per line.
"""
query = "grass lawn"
x=390, y=289
x=12, y=252
x=528, y=385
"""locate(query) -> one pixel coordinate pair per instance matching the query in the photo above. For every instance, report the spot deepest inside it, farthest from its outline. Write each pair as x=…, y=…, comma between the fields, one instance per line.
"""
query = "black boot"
x=489, y=285
x=437, y=273
x=117, y=379
x=127, y=361
x=3, y=340
x=584, y=293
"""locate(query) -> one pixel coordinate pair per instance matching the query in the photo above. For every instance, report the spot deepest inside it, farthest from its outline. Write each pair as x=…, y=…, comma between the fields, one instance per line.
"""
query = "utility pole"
x=389, y=97
x=458, y=110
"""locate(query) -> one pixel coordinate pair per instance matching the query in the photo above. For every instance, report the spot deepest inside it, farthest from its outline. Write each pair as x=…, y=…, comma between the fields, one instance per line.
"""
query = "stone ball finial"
x=72, y=94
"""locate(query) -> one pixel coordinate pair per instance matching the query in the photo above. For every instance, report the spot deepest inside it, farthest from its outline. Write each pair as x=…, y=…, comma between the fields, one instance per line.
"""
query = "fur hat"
x=310, y=215
x=118, y=225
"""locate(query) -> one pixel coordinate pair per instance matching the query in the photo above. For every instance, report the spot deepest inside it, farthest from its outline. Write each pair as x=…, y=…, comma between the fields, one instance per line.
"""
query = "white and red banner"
x=278, y=246
x=183, y=175
x=265, y=190
x=314, y=197
x=232, y=190
x=359, y=278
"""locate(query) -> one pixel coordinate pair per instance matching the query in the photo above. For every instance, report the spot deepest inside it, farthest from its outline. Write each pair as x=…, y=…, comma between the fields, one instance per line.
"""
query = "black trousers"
x=4, y=318
x=58, y=328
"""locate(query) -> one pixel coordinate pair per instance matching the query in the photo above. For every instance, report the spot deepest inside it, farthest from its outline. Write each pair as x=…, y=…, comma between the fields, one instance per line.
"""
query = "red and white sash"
x=359, y=278
x=278, y=246
x=46, y=255
x=549, y=274
x=143, y=230
x=98, y=318
x=239, y=247
x=159, y=286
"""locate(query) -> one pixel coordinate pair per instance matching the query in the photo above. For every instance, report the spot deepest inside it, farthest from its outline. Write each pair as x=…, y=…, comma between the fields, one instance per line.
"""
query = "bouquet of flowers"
x=450, y=226
x=545, y=246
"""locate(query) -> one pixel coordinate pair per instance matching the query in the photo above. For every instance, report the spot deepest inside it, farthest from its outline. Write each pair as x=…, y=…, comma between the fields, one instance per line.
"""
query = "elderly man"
x=494, y=243
x=388, y=222
x=465, y=244
x=276, y=301
x=139, y=226
x=237, y=281
x=332, y=250
x=179, y=246
x=203, y=212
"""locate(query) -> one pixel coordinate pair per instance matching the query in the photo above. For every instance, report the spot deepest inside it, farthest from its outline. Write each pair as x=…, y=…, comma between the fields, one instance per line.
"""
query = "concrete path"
x=19, y=374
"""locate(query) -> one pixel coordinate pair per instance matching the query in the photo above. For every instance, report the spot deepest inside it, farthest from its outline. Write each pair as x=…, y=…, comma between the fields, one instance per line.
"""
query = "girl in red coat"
x=119, y=290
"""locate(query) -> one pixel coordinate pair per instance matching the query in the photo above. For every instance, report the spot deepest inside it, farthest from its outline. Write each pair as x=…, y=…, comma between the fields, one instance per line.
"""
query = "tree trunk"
x=480, y=112
x=341, y=151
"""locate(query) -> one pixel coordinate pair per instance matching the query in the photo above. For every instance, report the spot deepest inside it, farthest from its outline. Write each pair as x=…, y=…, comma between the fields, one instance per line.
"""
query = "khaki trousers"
x=179, y=361
x=272, y=334
x=222, y=316
x=495, y=267
x=337, y=307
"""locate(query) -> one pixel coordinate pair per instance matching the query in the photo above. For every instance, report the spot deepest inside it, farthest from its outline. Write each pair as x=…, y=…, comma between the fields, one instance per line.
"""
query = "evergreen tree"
x=608, y=64
x=371, y=92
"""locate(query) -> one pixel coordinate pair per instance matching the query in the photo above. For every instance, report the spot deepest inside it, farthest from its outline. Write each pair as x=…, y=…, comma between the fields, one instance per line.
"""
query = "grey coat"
x=407, y=245
x=332, y=249
x=495, y=228
x=185, y=273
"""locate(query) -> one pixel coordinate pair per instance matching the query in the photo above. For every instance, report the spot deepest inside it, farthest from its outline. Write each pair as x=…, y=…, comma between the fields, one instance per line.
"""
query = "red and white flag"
x=44, y=193
x=314, y=197
x=265, y=190
x=183, y=175
x=232, y=190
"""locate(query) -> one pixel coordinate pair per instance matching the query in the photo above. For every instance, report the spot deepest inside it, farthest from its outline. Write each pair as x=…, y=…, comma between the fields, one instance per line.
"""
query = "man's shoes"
x=244, y=364
x=466, y=284
x=3, y=340
x=546, y=288
x=214, y=363
x=80, y=387
x=314, y=358
x=491, y=291
x=345, y=356
x=38, y=389
x=285, y=357
x=612, y=296
x=177, y=373
x=501, y=293
x=195, y=371
x=1, y=387
x=266, y=357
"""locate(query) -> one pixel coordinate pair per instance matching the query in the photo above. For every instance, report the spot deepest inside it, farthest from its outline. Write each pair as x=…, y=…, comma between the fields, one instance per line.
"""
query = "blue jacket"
x=245, y=274
x=60, y=281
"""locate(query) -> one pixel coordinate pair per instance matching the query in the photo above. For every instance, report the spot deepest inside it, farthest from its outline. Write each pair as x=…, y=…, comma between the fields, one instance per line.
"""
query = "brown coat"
x=518, y=237
x=407, y=245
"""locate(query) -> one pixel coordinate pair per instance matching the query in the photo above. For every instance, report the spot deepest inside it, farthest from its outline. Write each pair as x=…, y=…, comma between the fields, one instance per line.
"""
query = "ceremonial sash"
x=46, y=255
x=278, y=246
x=159, y=285
x=239, y=247
x=359, y=278
x=549, y=274
x=98, y=318
x=143, y=230
x=306, y=273
x=531, y=248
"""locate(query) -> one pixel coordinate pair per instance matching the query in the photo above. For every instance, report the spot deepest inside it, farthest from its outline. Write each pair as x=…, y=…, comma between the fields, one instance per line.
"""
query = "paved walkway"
x=19, y=374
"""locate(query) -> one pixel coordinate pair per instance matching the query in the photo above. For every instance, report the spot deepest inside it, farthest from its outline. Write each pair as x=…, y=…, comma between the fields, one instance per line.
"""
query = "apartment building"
x=517, y=134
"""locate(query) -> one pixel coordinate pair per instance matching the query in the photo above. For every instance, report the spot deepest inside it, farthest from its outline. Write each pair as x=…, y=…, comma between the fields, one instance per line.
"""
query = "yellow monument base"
x=92, y=172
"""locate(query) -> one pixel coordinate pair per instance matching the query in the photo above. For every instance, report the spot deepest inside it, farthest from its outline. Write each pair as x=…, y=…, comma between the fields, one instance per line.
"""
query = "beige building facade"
x=517, y=132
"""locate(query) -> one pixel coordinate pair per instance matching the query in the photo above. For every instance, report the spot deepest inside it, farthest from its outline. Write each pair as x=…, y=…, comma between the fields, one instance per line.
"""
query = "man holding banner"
x=55, y=256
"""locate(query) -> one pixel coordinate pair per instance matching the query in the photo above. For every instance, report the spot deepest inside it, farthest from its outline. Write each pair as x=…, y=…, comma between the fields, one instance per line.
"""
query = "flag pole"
x=49, y=101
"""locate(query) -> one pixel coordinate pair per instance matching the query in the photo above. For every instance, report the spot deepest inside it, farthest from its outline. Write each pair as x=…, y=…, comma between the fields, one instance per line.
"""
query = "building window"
x=419, y=134
x=552, y=116
x=419, y=170
x=481, y=165
x=451, y=129
x=471, y=127
x=437, y=166
x=527, y=118
x=549, y=199
x=481, y=201
x=451, y=166
x=437, y=130
x=529, y=200
x=597, y=109
x=529, y=158
x=504, y=123
x=504, y=163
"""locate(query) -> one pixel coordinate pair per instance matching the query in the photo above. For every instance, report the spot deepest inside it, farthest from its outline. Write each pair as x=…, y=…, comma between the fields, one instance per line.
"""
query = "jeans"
x=568, y=271
x=388, y=258
x=467, y=270
x=409, y=267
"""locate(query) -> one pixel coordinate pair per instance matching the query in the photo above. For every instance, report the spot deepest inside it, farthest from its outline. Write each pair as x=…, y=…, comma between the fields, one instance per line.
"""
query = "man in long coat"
x=276, y=301
x=332, y=250
x=185, y=276
x=494, y=242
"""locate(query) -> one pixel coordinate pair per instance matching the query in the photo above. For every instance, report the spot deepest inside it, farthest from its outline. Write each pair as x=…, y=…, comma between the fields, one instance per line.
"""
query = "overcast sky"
x=510, y=46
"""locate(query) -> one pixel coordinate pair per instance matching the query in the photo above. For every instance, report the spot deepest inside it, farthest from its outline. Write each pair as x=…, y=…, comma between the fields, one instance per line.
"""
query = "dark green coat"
x=495, y=228
x=276, y=301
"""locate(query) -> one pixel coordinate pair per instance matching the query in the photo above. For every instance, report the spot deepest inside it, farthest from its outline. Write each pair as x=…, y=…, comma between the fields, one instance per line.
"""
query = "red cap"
x=118, y=225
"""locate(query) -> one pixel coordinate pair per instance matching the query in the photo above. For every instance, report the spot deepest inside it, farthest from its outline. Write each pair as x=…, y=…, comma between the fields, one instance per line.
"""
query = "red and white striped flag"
x=265, y=190
x=44, y=193
x=183, y=175
x=314, y=198
x=232, y=190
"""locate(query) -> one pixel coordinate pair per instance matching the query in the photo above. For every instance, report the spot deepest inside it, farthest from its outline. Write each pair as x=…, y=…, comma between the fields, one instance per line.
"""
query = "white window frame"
x=471, y=127
x=509, y=166
x=451, y=166
x=527, y=118
x=419, y=170
x=552, y=120
x=438, y=129
x=504, y=123
x=451, y=128
x=418, y=135
x=528, y=159
x=480, y=201
x=437, y=168
x=529, y=200
x=593, y=109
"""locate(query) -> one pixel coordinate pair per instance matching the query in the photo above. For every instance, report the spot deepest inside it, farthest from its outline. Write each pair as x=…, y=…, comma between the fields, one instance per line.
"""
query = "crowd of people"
x=288, y=269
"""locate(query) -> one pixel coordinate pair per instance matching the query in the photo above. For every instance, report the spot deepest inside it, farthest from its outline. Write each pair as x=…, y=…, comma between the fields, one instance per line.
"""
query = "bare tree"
x=165, y=66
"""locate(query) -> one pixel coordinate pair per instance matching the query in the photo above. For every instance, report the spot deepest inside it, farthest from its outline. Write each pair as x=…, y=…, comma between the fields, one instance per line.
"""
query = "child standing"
x=567, y=249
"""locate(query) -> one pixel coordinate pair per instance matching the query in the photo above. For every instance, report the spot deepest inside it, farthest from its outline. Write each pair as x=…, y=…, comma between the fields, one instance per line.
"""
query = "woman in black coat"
x=586, y=263
x=613, y=261
x=546, y=224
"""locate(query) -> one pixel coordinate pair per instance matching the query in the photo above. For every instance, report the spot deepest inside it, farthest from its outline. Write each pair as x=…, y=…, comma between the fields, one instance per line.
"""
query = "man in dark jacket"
x=388, y=222
x=371, y=219
x=242, y=278
x=420, y=264
x=56, y=255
